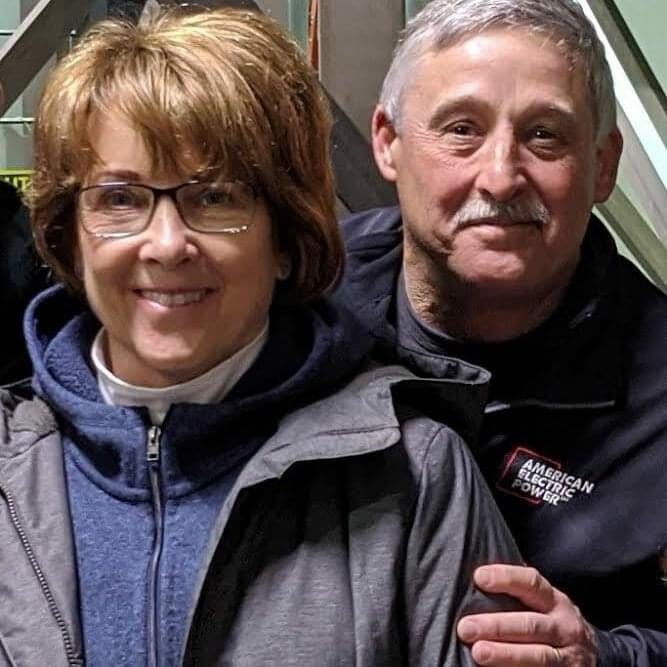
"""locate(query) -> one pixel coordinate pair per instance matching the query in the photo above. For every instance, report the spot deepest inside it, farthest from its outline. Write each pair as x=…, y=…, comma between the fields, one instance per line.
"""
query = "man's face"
x=496, y=164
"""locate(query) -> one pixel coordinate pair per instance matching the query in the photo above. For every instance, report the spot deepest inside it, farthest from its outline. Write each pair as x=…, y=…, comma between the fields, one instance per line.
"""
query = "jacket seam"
x=441, y=429
x=6, y=653
x=41, y=578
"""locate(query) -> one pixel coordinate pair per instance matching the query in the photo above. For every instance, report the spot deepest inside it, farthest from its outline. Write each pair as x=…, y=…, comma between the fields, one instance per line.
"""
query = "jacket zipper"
x=153, y=460
x=72, y=658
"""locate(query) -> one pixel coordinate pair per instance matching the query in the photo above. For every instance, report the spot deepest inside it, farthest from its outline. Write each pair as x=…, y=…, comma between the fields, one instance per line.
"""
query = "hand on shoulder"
x=553, y=632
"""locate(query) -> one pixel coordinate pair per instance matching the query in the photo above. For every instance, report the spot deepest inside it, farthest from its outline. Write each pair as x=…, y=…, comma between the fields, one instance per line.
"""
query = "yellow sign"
x=19, y=178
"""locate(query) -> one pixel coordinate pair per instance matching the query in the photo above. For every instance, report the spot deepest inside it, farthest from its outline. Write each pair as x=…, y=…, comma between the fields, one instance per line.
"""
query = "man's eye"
x=544, y=134
x=461, y=130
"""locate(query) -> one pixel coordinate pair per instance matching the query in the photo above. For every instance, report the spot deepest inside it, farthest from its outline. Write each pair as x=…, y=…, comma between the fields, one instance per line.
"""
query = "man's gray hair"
x=443, y=23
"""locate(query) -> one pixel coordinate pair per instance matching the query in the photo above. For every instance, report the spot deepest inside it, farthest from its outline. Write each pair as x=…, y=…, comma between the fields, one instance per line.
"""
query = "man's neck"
x=474, y=314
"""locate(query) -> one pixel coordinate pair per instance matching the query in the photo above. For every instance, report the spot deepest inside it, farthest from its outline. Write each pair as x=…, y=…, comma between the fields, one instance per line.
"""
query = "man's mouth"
x=171, y=298
x=499, y=221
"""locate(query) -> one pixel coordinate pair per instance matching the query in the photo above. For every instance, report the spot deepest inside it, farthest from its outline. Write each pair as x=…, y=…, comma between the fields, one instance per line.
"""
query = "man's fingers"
x=523, y=583
x=553, y=633
x=492, y=654
x=521, y=627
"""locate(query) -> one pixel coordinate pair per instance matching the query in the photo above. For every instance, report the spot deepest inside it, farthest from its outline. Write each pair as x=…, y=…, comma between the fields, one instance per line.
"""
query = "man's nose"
x=500, y=175
x=168, y=239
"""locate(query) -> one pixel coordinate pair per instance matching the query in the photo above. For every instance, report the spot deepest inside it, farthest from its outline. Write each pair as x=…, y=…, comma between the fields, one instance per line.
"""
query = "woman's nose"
x=167, y=238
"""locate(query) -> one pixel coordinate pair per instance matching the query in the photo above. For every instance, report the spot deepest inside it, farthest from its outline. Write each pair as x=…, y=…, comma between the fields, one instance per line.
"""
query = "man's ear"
x=608, y=155
x=384, y=138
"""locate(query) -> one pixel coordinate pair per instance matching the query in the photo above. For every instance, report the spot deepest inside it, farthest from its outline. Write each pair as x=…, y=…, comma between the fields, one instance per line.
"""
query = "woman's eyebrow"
x=116, y=174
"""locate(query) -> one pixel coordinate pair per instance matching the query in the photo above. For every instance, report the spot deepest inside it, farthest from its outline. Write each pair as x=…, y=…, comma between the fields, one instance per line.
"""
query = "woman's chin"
x=162, y=366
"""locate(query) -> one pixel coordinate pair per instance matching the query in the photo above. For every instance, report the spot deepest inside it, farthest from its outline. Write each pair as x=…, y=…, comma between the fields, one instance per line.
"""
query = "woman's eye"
x=120, y=198
x=214, y=197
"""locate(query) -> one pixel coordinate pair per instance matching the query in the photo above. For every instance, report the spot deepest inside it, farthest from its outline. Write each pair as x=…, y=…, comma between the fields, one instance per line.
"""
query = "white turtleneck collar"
x=211, y=387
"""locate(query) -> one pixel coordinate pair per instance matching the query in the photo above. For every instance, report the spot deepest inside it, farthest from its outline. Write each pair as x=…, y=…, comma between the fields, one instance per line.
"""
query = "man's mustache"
x=480, y=209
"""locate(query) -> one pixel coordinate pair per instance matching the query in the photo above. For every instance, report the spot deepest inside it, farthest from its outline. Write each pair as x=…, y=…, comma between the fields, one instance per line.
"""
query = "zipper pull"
x=153, y=445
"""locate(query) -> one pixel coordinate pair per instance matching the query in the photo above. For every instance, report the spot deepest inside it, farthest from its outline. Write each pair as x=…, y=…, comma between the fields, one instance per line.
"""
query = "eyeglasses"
x=117, y=210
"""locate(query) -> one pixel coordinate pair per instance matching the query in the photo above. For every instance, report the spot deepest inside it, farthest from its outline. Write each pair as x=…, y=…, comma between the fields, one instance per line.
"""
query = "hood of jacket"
x=310, y=352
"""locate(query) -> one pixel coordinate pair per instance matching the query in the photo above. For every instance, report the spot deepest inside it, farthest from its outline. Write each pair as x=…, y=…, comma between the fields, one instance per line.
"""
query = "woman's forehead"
x=121, y=145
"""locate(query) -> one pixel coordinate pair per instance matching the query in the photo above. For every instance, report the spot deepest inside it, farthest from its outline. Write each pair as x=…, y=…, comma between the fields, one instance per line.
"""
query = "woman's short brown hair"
x=228, y=89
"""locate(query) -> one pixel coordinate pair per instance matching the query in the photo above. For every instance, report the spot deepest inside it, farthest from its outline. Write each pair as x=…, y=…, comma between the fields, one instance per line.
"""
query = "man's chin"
x=506, y=237
x=496, y=272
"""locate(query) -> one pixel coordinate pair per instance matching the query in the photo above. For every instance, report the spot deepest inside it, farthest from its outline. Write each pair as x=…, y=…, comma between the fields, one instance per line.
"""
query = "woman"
x=199, y=478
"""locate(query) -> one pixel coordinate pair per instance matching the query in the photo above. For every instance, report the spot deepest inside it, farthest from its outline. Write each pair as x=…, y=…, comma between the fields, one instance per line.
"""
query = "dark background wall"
x=129, y=8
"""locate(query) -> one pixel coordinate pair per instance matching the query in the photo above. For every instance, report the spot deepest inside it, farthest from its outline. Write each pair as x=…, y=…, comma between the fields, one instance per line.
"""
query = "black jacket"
x=574, y=440
x=20, y=279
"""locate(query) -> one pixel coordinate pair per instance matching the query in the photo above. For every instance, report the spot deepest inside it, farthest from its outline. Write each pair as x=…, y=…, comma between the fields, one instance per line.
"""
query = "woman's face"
x=174, y=302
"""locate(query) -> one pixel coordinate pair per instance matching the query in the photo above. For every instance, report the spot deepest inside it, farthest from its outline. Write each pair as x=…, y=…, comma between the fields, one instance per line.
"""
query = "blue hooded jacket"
x=143, y=499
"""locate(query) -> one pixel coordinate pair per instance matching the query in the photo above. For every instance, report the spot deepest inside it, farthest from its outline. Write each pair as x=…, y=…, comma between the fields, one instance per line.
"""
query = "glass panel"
x=637, y=209
x=647, y=20
x=15, y=124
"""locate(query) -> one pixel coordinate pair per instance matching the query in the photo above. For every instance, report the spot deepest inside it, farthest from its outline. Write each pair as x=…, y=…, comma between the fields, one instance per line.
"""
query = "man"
x=497, y=124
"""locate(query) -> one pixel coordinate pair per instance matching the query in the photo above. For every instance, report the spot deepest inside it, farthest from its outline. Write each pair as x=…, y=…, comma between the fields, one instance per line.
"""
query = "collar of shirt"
x=211, y=387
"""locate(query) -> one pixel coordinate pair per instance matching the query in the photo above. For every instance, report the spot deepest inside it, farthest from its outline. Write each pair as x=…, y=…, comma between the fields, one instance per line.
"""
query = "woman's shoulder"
x=395, y=393
x=25, y=420
x=393, y=403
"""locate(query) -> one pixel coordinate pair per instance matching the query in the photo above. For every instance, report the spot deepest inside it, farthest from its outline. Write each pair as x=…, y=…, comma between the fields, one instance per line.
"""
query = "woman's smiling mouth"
x=172, y=298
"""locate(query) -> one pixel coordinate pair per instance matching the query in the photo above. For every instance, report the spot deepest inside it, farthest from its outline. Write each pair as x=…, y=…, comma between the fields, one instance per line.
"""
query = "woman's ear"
x=284, y=266
x=78, y=264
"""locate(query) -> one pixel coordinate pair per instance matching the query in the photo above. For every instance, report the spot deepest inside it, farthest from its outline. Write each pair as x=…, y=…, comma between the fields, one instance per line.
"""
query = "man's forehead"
x=477, y=44
x=521, y=60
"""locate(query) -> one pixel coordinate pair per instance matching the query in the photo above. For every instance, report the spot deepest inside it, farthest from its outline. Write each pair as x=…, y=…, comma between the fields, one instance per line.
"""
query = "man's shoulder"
x=368, y=229
x=633, y=310
x=373, y=244
x=644, y=306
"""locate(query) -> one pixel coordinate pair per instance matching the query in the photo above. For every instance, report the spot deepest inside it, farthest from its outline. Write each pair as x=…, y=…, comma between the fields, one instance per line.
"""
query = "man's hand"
x=554, y=633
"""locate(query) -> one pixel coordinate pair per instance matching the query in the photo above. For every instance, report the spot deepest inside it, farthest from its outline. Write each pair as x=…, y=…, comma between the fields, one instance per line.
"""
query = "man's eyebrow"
x=452, y=105
x=472, y=104
x=553, y=109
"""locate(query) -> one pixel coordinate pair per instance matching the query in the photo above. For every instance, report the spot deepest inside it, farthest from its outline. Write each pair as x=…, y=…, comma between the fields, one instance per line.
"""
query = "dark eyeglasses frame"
x=158, y=193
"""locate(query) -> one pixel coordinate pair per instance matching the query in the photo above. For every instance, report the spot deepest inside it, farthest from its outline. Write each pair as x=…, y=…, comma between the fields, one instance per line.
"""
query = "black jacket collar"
x=563, y=363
